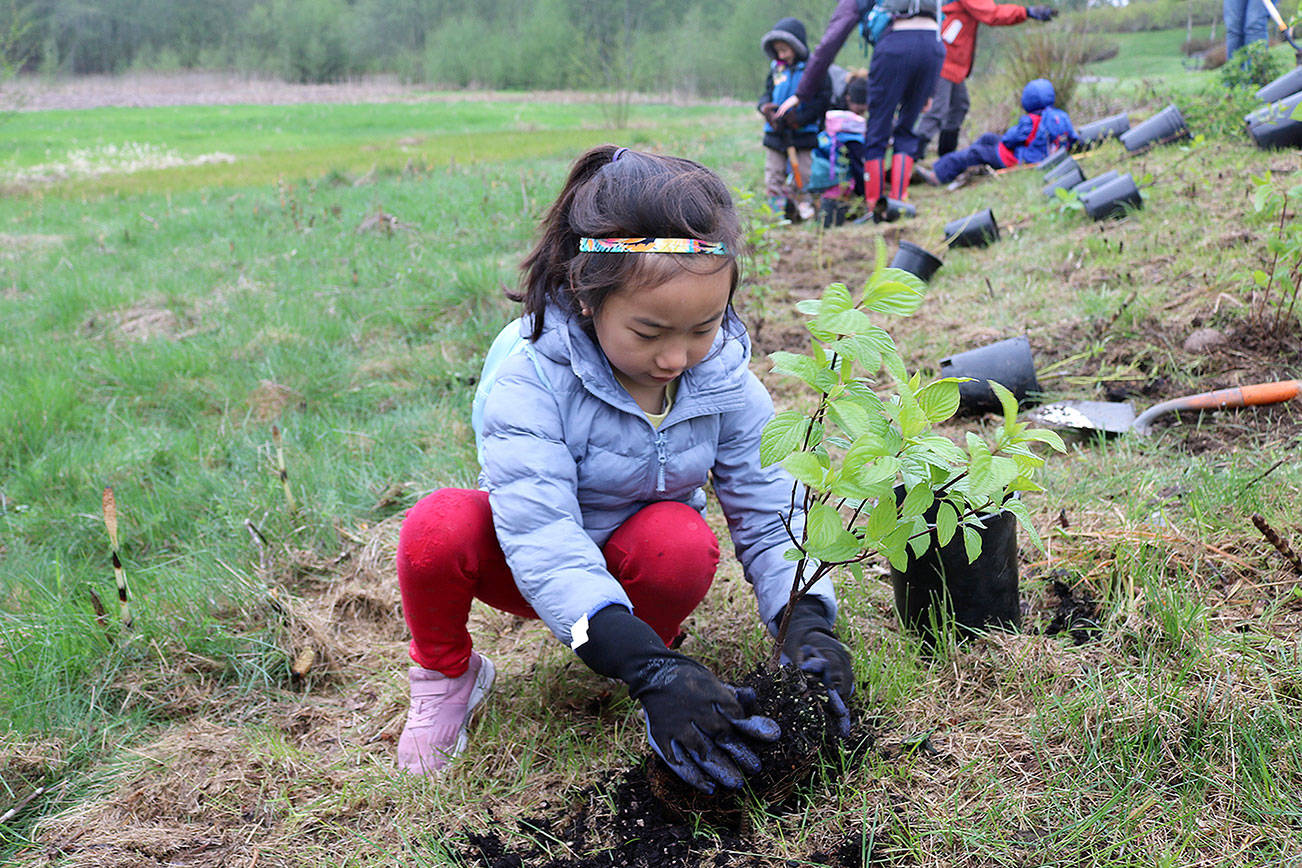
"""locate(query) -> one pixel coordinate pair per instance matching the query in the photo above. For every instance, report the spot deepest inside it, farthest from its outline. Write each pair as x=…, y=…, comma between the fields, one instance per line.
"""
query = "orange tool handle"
x=1239, y=396
x=795, y=167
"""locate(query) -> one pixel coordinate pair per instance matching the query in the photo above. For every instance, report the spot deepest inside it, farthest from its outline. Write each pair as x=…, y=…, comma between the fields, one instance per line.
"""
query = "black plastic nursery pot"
x=1009, y=363
x=916, y=260
x=1285, y=86
x=1116, y=198
x=1051, y=162
x=895, y=209
x=974, y=230
x=1064, y=180
x=1065, y=167
x=1101, y=130
x=1094, y=183
x=1274, y=126
x=941, y=588
x=834, y=212
x=1166, y=126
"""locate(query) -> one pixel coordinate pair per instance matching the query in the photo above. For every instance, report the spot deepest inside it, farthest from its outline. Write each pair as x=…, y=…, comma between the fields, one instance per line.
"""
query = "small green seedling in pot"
x=871, y=468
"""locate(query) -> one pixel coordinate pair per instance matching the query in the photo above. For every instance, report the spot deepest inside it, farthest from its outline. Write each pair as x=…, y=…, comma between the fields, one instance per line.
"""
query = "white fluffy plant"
x=855, y=448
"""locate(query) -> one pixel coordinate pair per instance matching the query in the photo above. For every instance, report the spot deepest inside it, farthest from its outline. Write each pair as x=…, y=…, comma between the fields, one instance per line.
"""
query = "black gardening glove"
x=813, y=647
x=768, y=110
x=697, y=724
x=1041, y=13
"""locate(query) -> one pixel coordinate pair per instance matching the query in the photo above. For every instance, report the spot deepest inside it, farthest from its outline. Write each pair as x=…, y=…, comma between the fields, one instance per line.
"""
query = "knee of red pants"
x=665, y=556
x=449, y=525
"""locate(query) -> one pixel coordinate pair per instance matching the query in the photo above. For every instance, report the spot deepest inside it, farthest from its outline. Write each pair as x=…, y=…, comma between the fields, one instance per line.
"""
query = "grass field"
x=339, y=279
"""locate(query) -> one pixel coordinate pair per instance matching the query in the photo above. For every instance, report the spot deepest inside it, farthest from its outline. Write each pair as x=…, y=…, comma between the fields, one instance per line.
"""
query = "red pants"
x=664, y=556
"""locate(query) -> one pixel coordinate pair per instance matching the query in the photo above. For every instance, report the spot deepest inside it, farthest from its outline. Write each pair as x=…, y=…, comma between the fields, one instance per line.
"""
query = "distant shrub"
x=1049, y=52
x=1216, y=111
x=1149, y=15
x=1197, y=45
x=1251, y=66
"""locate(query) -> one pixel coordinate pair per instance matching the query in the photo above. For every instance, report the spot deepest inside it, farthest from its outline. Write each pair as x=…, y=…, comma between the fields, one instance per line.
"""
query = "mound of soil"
x=647, y=816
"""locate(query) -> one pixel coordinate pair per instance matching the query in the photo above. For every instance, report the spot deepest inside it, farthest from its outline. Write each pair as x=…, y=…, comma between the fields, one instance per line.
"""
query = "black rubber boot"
x=946, y=142
x=922, y=149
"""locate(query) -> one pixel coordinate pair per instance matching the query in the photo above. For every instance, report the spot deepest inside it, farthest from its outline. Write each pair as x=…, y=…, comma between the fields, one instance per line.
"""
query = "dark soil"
x=646, y=816
x=1075, y=614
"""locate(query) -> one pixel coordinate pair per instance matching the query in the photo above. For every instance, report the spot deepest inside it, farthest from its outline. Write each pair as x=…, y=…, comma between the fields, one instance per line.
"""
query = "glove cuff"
x=620, y=644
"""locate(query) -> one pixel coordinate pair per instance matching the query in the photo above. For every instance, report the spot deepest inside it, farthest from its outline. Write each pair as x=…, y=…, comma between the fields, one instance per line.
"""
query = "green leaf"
x=1023, y=515
x=917, y=501
x=939, y=400
x=912, y=419
x=1007, y=400
x=826, y=536
x=784, y=434
x=882, y=519
x=807, y=468
x=896, y=547
x=793, y=554
x=808, y=306
x=936, y=450
x=946, y=522
x=1044, y=435
x=971, y=543
x=856, y=572
x=850, y=416
x=799, y=366
x=893, y=291
x=846, y=322
x=863, y=476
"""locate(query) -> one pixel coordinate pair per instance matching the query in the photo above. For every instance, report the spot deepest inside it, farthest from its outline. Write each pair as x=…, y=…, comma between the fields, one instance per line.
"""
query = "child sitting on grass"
x=629, y=392
x=1040, y=131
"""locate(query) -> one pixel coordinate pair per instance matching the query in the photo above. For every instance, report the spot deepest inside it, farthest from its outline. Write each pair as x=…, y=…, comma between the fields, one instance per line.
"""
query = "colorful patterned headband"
x=652, y=245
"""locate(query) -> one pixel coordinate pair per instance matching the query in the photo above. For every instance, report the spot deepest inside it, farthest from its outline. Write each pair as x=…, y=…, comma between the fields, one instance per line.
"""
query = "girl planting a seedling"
x=624, y=389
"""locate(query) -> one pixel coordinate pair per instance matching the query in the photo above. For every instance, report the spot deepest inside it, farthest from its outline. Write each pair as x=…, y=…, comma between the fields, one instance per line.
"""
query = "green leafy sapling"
x=872, y=474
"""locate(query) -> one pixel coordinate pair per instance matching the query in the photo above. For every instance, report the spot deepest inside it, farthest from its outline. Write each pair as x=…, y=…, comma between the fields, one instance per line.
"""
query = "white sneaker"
x=805, y=210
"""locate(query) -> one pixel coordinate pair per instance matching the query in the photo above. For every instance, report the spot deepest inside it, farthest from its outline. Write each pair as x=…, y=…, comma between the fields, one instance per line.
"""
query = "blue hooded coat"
x=568, y=456
x=1042, y=129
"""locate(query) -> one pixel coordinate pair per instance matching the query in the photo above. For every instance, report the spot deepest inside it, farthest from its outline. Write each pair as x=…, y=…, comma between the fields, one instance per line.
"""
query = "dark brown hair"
x=617, y=193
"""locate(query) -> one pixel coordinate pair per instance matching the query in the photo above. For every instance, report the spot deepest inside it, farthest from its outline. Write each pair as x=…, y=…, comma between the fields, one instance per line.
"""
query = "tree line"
x=704, y=49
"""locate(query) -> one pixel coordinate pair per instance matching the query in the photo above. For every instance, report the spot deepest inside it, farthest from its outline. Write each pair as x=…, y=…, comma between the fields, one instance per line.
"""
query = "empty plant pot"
x=941, y=589
x=1051, y=162
x=1099, y=131
x=895, y=209
x=834, y=211
x=1064, y=181
x=1008, y=363
x=1274, y=126
x=1093, y=183
x=1066, y=167
x=1166, y=126
x=1116, y=198
x=916, y=260
x=1285, y=86
x=974, y=230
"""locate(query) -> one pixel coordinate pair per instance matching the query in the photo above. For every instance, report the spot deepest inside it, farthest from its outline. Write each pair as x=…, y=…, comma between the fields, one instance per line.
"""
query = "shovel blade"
x=1109, y=417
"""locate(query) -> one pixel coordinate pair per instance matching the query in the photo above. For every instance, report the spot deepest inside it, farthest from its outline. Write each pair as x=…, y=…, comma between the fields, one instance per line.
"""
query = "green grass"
x=158, y=324
x=1156, y=55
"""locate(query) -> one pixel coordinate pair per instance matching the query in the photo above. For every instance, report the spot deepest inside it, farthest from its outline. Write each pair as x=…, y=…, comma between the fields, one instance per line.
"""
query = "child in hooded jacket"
x=628, y=392
x=1043, y=129
x=787, y=50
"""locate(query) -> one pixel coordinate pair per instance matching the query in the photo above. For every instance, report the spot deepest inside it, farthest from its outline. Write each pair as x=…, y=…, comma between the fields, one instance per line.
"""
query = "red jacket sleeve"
x=959, y=31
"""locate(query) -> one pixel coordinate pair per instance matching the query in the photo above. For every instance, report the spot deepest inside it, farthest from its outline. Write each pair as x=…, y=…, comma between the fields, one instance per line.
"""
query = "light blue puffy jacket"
x=568, y=461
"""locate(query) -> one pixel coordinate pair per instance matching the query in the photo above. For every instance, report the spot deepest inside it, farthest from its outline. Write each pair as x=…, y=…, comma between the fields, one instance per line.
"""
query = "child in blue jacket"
x=795, y=132
x=630, y=392
x=1040, y=131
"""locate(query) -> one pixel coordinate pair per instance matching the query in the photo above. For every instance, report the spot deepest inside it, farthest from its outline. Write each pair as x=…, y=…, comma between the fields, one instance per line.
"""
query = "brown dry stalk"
x=111, y=523
x=1281, y=545
x=280, y=468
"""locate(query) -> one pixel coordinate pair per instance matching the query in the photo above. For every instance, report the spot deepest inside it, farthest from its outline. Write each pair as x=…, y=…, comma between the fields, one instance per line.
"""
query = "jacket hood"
x=1038, y=95
x=792, y=32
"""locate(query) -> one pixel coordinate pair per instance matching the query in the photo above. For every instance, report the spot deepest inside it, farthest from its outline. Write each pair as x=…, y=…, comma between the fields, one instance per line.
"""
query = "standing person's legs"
x=775, y=177
x=854, y=153
x=886, y=88
x=1234, y=12
x=953, y=120
x=1256, y=21
x=933, y=119
x=926, y=55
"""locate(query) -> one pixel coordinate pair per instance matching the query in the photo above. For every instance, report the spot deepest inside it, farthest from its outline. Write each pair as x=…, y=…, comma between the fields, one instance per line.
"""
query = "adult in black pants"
x=901, y=78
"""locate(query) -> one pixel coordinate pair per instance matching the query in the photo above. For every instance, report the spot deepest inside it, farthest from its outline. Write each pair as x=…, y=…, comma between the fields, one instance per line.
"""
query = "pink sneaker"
x=441, y=707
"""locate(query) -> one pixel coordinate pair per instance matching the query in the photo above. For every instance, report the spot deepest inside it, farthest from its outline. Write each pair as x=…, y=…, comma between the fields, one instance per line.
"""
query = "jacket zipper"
x=662, y=457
